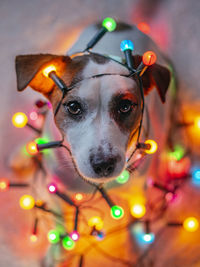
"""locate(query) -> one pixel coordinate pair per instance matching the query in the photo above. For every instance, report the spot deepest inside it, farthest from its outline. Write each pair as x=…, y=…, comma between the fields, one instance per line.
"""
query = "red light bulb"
x=149, y=58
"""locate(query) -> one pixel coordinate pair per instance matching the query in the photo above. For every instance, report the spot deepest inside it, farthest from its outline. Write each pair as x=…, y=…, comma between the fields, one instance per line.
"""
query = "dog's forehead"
x=109, y=66
x=107, y=85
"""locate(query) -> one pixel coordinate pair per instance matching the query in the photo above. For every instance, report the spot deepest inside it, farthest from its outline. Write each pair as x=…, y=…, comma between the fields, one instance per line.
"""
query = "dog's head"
x=100, y=117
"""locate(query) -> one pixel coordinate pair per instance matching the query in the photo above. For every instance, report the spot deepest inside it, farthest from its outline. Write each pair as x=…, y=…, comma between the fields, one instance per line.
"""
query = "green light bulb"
x=123, y=178
x=178, y=153
x=68, y=243
x=53, y=236
x=109, y=24
x=117, y=212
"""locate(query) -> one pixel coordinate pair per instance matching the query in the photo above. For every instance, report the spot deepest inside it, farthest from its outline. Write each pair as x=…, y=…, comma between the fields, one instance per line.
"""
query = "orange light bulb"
x=31, y=148
x=197, y=123
x=48, y=70
x=149, y=58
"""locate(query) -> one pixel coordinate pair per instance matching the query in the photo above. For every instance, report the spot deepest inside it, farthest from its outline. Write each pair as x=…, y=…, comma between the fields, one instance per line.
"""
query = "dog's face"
x=100, y=116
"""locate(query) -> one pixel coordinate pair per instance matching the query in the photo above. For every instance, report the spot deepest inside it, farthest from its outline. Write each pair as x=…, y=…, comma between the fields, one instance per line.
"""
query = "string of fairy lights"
x=179, y=169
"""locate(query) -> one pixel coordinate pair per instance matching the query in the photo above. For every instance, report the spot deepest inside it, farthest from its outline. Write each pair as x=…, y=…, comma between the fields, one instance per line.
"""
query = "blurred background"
x=47, y=26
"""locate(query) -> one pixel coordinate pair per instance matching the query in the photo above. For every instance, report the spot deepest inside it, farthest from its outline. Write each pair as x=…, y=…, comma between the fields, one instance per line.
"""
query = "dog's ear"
x=29, y=71
x=155, y=76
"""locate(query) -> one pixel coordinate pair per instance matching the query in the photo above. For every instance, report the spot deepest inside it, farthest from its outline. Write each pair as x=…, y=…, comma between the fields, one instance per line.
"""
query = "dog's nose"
x=103, y=166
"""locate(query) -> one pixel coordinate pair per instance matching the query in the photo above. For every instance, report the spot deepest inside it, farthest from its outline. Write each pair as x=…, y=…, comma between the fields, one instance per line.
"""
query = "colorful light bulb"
x=48, y=70
x=33, y=116
x=153, y=146
x=19, y=119
x=27, y=202
x=96, y=222
x=191, y=224
x=197, y=123
x=52, y=188
x=31, y=148
x=138, y=210
x=148, y=238
x=123, y=178
x=4, y=184
x=109, y=24
x=196, y=176
x=149, y=58
x=78, y=196
x=33, y=238
x=144, y=27
x=117, y=212
x=178, y=153
x=68, y=243
x=75, y=236
x=53, y=236
x=126, y=45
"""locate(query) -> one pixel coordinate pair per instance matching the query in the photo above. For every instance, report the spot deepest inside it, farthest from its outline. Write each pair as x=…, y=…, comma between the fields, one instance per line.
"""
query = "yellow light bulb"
x=27, y=202
x=48, y=69
x=153, y=147
x=96, y=221
x=19, y=119
x=33, y=238
x=138, y=210
x=197, y=123
x=191, y=224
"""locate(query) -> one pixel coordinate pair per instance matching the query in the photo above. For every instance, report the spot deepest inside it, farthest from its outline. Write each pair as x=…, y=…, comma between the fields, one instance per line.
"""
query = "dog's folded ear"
x=29, y=70
x=155, y=76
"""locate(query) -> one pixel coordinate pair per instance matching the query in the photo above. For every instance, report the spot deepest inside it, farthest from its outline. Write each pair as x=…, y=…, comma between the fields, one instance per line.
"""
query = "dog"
x=100, y=117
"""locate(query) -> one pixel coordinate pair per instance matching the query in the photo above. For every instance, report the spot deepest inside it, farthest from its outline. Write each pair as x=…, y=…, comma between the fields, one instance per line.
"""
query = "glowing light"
x=123, y=178
x=138, y=210
x=68, y=243
x=153, y=147
x=126, y=45
x=53, y=236
x=100, y=236
x=33, y=238
x=4, y=185
x=96, y=222
x=191, y=224
x=149, y=58
x=31, y=148
x=197, y=123
x=196, y=176
x=109, y=24
x=148, y=238
x=39, y=203
x=178, y=153
x=75, y=236
x=117, y=212
x=27, y=202
x=48, y=70
x=33, y=116
x=144, y=27
x=52, y=188
x=178, y=169
x=19, y=119
x=78, y=196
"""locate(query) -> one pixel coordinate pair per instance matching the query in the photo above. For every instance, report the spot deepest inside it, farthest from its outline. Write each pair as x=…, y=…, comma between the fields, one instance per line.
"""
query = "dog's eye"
x=74, y=108
x=126, y=106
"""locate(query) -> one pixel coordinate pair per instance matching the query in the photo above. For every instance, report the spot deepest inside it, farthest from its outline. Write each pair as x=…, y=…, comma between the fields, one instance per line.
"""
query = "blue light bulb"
x=196, y=176
x=148, y=238
x=126, y=45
